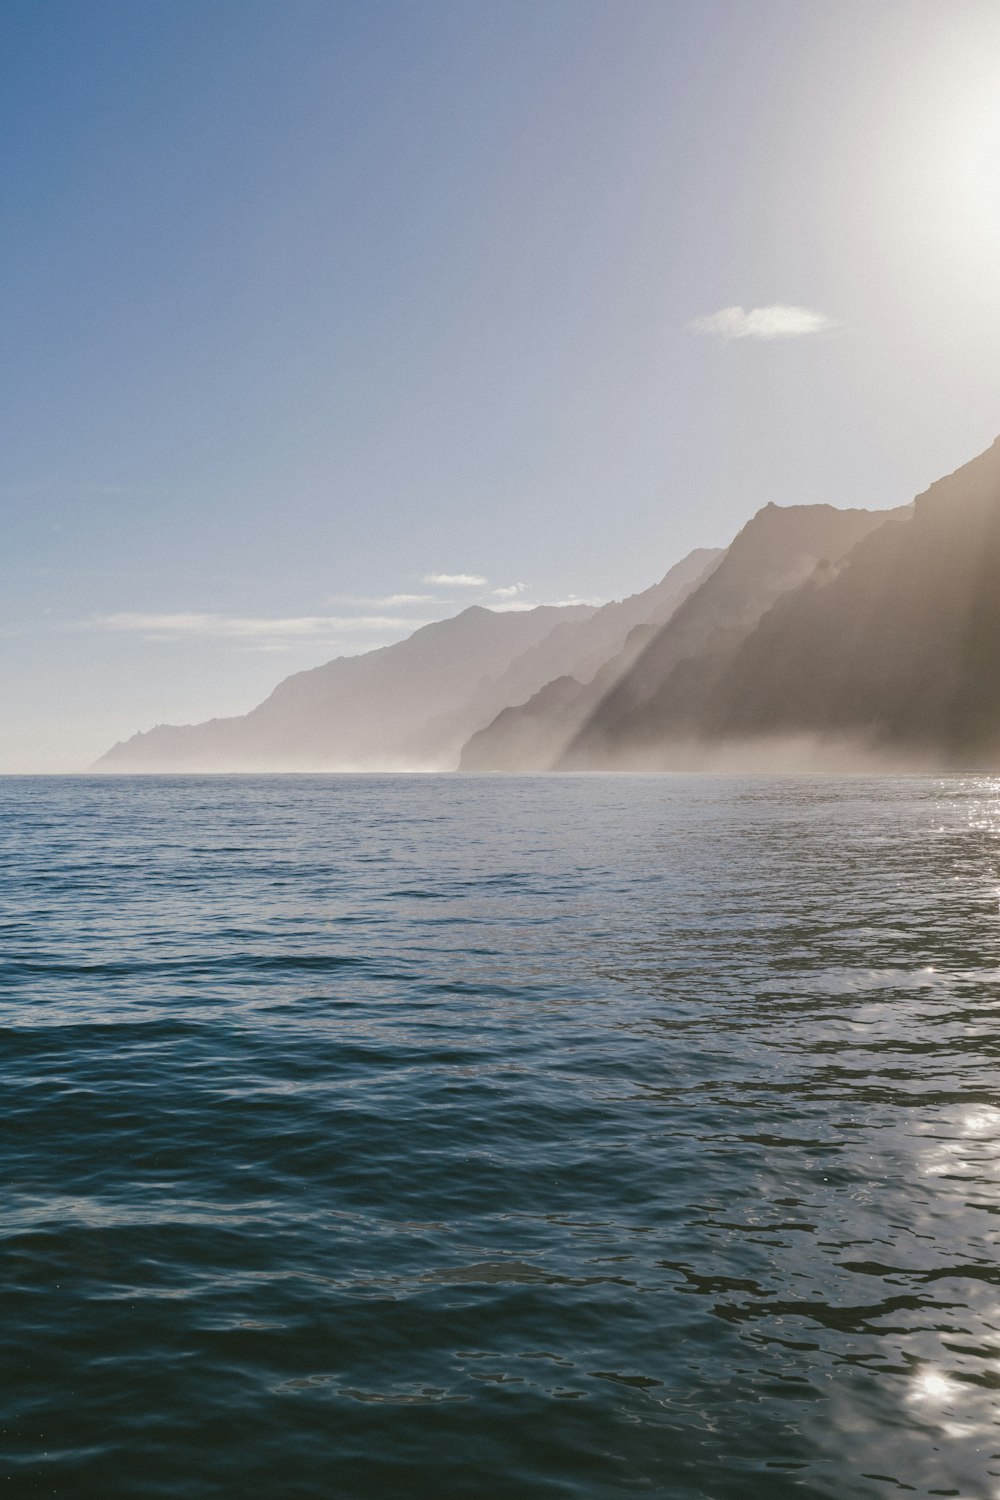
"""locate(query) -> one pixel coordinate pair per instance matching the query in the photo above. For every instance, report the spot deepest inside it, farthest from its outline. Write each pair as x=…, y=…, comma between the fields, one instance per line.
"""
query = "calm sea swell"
x=569, y=1137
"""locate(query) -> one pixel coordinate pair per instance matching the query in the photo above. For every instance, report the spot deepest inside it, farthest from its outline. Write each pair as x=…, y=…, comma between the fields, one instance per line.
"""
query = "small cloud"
x=398, y=599
x=456, y=580
x=510, y=592
x=385, y=601
x=519, y=604
x=778, y=321
x=241, y=627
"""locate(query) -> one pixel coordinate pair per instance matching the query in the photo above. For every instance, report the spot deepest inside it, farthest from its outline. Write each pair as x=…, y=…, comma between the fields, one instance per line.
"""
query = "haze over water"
x=456, y=1137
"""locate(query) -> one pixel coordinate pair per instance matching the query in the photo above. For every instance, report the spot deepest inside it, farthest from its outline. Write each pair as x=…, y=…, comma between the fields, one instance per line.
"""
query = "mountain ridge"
x=820, y=636
x=381, y=707
x=574, y=728
x=773, y=554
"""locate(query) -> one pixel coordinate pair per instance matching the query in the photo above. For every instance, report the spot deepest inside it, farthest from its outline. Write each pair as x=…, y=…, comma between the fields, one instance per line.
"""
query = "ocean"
x=468, y=1138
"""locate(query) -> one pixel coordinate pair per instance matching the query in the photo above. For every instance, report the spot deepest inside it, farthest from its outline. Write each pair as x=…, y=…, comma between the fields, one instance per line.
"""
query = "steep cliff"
x=572, y=670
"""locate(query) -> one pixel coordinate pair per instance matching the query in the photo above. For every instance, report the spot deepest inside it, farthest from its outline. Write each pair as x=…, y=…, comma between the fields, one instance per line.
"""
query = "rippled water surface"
x=458, y=1138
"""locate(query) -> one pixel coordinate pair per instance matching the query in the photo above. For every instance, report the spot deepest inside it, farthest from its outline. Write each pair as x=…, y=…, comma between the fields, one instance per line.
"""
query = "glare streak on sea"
x=460, y=1137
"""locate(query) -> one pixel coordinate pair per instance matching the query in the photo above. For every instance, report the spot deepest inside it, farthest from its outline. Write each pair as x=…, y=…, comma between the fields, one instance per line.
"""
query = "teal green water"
x=447, y=1137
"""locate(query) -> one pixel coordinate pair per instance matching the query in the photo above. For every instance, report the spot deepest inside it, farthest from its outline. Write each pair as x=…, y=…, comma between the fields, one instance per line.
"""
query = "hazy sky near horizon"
x=323, y=318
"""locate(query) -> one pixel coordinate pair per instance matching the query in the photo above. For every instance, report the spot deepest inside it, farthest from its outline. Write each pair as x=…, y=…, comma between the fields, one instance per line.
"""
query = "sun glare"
x=941, y=170
x=931, y=1385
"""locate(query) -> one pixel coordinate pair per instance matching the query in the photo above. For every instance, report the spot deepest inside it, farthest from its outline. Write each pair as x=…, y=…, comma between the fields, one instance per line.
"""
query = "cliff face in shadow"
x=572, y=670
x=663, y=694
x=580, y=648
x=409, y=705
x=897, y=651
x=572, y=725
x=886, y=656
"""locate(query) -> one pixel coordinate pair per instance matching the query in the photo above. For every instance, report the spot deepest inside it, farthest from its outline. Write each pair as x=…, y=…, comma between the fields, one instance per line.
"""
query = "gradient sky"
x=307, y=303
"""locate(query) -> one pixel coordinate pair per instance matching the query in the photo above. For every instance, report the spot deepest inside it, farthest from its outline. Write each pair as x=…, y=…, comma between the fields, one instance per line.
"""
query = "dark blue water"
x=459, y=1138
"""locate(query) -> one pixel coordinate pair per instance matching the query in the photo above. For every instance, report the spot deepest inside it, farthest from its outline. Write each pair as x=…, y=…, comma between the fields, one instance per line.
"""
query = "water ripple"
x=578, y=1136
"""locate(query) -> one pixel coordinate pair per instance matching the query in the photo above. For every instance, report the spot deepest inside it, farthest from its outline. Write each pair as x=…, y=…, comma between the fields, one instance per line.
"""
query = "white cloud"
x=778, y=321
x=386, y=601
x=171, y=626
x=518, y=604
x=511, y=592
x=400, y=599
x=456, y=580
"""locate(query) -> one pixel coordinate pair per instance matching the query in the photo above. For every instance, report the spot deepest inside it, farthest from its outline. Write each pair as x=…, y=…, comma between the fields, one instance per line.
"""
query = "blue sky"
x=306, y=303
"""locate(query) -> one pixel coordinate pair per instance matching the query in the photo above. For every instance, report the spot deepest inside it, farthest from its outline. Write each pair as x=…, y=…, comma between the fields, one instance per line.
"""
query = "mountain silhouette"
x=411, y=705
x=408, y=705
x=896, y=652
x=662, y=695
x=658, y=678
x=531, y=733
x=821, y=637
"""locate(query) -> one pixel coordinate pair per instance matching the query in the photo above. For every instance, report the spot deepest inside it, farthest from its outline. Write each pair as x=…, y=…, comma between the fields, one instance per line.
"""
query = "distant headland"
x=819, y=639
